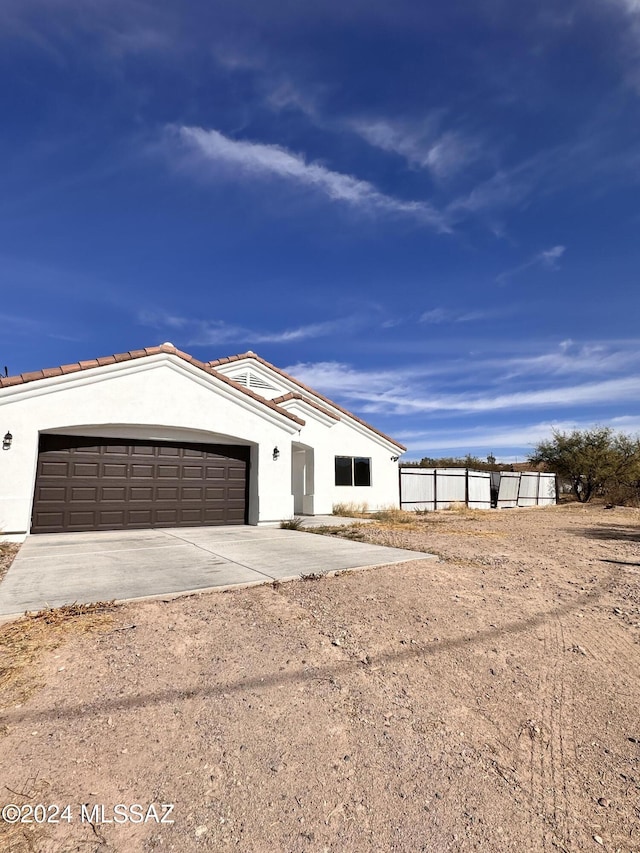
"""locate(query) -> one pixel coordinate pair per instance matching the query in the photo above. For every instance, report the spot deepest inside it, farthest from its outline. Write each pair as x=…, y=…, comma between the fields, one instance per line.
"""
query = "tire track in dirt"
x=562, y=736
x=544, y=747
x=612, y=643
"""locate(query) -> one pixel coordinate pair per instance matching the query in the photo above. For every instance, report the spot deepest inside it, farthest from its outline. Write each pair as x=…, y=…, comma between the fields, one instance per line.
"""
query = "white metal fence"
x=527, y=488
x=438, y=488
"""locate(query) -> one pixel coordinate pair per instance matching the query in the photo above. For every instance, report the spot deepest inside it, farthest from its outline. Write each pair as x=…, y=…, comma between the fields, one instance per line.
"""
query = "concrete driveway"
x=55, y=569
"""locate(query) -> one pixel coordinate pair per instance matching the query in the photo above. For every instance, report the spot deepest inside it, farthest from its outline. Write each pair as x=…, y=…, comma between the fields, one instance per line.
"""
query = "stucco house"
x=156, y=438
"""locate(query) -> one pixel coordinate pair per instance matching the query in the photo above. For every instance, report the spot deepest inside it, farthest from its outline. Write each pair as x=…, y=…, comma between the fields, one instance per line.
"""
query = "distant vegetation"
x=594, y=462
x=468, y=461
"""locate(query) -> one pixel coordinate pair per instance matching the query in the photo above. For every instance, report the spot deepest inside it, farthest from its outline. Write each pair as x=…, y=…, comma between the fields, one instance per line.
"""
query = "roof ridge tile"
x=52, y=372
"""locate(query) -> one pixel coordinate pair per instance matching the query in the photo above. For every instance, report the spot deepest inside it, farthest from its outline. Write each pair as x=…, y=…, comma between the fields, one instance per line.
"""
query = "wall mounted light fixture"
x=6, y=441
x=395, y=458
x=276, y=454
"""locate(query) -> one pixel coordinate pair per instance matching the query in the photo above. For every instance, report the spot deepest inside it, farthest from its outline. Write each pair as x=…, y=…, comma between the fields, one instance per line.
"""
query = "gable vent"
x=241, y=378
x=257, y=382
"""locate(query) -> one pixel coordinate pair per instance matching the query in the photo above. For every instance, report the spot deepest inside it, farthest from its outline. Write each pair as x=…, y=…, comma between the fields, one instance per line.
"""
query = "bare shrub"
x=294, y=523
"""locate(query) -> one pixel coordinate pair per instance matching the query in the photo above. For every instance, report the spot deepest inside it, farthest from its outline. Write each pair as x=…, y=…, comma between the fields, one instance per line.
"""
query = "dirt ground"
x=7, y=553
x=486, y=701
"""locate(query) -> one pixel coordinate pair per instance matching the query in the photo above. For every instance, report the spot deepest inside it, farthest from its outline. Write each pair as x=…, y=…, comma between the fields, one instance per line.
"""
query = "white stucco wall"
x=331, y=438
x=344, y=440
x=159, y=396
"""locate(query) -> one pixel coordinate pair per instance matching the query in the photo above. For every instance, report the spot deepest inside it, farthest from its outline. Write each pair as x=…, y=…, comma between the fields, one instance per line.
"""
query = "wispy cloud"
x=446, y=315
x=424, y=145
x=248, y=160
x=284, y=94
x=485, y=385
x=413, y=401
x=115, y=28
x=570, y=358
x=197, y=332
x=511, y=434
x=345, y=381
x=628, y=52
x=19, y=324
x=591, y=393
x=503, y=439
x=546, y=259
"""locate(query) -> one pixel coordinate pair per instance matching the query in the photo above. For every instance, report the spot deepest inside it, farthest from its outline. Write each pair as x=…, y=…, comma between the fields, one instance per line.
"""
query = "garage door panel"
x=233, y=518
x=143, y=450
x=51, y=493
x=216, y=472
x=167, y=517
x=110, y=518
x=191, y=517
x=83, y=494
x=56, y=469
x=140, y=472
x=192, y=493
x=82, y=519
x=140, y=517
x=193, y=472
x=236, y=473
x=112, y=469
x=141, y=493
x=235, y=494
x=85, y=469
x=167, y=493
x=120, y=484
x=113, y=493
x=49, y=519
x=237, y=513
x=217, y=516
x=168, y=472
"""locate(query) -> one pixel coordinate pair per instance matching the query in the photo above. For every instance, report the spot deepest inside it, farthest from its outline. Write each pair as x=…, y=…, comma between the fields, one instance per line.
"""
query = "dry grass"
x=386, y=515
x=460, y=509
x=8, y=551
x=355, y=532
x=393, y=515
x=24, y=642
x=396, y=519
x=393, y=518
x=351, y=509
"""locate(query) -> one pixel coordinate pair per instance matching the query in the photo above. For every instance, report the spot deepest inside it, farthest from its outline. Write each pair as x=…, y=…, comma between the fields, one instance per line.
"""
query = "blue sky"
x=427, y=211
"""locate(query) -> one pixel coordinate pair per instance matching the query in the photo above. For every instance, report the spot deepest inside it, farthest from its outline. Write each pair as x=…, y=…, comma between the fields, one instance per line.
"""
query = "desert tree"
x=594, y=461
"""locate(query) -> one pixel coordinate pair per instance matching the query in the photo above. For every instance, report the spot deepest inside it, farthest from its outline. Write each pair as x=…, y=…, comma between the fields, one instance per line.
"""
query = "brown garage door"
x=114, y=484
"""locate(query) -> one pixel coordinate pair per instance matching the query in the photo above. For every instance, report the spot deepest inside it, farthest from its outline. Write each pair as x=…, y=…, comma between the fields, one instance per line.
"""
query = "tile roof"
x=231, y=358
x=207, y=367
x=293, y=396
x=49, y=372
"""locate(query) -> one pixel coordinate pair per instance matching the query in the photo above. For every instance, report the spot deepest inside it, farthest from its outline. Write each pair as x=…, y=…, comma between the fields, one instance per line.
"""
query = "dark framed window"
x=344, y=471
x=353, y=471
x=361, y=471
